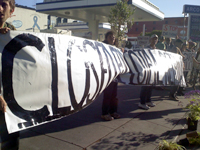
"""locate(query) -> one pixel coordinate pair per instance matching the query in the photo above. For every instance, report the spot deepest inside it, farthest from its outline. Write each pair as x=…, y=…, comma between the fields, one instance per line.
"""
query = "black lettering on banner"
x=135, y=66
x=108, y=63
x=146, y=60
x=74, y=103
x=103, y=71
x=8, y=54
x=90, y=64
x=119, y=63
x=54, y=71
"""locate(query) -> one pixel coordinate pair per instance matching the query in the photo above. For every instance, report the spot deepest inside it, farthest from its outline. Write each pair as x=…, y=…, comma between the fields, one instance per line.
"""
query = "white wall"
x=25, y=19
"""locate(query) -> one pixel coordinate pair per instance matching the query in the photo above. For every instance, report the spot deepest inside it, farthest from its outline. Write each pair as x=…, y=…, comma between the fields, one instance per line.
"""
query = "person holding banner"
x=146, y=91
x=8, y=141
x=110, y=101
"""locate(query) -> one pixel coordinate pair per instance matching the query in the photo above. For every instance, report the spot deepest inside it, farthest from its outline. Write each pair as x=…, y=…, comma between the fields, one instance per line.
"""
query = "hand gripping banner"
x=48, y=76
x=153, y=67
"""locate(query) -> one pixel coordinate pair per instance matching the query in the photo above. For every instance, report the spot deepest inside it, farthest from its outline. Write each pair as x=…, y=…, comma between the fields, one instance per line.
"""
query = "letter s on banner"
x=8, y=54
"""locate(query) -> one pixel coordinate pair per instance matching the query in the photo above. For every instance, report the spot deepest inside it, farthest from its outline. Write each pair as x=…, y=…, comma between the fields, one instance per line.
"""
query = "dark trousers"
x=173, y=90
x=8, y=141
x=110, y=101
x=145, y=94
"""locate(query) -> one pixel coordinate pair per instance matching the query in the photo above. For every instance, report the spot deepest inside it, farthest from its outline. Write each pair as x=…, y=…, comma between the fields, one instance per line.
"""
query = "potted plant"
x=193, y=138
x=193, y=114
x=165, y=145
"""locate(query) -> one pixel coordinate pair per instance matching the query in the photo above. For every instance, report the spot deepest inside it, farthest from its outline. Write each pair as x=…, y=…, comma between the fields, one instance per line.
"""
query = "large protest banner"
x=48, y=76
x=153, y=67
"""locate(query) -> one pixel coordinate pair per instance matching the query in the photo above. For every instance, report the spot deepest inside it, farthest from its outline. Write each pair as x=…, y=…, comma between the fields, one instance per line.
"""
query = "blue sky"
x=171, y=8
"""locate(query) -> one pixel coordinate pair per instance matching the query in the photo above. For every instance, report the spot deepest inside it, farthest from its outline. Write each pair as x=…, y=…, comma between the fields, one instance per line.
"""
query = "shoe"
x=151, y=104
x=143, y=106
x=180, y=94
x=173, y=98
x=115, y=115
x=107, y=117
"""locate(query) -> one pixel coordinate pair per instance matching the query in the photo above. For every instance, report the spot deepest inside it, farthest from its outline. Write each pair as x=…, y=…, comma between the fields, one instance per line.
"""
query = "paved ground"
x=136, y=130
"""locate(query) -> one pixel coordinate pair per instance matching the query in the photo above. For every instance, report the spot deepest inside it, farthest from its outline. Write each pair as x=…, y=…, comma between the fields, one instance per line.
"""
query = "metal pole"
x=143, y=34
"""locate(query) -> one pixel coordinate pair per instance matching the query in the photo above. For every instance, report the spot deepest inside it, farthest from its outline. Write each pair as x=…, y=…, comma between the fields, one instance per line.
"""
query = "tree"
x=120, y=19
x=157, y=32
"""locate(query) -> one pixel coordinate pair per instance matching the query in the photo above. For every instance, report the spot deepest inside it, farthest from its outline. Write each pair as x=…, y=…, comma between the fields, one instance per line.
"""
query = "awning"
x=85, y=10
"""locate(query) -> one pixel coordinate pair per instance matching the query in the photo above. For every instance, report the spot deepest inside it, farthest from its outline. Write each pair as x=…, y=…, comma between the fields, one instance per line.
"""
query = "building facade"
x=137, y=28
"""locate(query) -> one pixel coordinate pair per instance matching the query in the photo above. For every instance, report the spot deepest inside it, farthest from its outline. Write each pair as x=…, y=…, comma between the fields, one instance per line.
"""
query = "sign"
x=195, y=28
x=49, y=76
x=191, y=9
x=17, y=23
x=143, y=40
x=169, y=30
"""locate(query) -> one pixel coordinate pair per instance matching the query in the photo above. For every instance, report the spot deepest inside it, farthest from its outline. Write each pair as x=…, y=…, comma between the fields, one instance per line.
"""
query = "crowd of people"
x=175, y=45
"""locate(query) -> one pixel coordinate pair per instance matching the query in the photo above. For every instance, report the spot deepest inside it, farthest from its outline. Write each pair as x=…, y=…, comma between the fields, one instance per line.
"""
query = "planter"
x=193, y=138
x=192, y=125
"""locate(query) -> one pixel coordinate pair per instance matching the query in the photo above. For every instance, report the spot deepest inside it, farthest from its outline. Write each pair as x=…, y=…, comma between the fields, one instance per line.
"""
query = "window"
x=154, y=22
x=136, y=29
x=49, y=21
x=166, y=22
x=154, y=28
x=58, y=20
x=65, y=20
x=176, y=21
x=136, y=23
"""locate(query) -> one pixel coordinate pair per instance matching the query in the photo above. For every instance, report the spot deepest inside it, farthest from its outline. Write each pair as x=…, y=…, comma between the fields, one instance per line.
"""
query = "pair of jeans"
x=8, y=141
x=110, y=101
x=145, y=94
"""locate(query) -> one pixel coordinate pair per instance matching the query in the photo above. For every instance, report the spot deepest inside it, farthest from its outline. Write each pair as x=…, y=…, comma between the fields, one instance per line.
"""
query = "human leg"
x=8, y=141
x=143, y=96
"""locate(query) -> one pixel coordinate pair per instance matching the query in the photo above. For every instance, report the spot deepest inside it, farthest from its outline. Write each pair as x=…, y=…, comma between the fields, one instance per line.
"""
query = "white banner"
x=48, y=76
x=153, y=67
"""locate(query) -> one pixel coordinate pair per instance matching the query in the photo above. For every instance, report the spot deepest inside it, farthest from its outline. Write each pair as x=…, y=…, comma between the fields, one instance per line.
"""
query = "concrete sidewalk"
x=137, y=129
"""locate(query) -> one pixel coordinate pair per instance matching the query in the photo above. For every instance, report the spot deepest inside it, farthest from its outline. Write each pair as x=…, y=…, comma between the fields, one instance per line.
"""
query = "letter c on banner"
x=8, y=54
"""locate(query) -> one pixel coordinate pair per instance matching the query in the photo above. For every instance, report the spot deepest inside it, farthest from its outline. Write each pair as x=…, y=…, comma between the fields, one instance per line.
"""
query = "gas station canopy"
x=85, y=10
x=97, y=11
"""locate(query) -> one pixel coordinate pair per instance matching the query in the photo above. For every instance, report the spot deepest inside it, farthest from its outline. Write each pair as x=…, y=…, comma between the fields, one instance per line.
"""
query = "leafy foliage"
x=195, y=140
x=194, y=104
x=165, y=145
x=120, y=19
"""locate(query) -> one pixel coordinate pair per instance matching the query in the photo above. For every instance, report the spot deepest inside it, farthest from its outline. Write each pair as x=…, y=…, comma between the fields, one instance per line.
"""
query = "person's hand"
x=3, y=104
x=4, y=30
x=122, y=49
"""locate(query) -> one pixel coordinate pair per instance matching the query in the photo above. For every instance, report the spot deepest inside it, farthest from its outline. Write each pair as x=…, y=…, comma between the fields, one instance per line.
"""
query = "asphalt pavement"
x=137, y=129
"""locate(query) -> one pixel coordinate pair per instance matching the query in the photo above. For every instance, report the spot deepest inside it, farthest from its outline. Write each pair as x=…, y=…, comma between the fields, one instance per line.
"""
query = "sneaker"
x=107, y=117
x=115, y=115
x=173, y=98
x=151, y=104
x=143, y=106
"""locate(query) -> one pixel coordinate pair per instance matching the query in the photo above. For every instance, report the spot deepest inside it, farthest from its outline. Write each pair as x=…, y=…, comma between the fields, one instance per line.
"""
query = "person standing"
x=146, y=91
x=168, y=43
x=161, y=44
x=8, y=141
x=110, y=101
